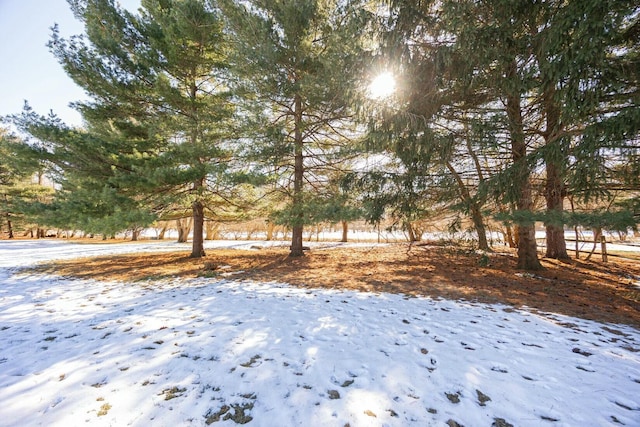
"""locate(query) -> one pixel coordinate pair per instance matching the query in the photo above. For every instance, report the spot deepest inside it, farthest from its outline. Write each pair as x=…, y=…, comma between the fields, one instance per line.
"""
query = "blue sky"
x=28, y=71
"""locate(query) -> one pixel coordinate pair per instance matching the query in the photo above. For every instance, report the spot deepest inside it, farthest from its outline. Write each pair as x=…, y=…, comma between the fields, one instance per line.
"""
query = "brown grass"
x=591, y=290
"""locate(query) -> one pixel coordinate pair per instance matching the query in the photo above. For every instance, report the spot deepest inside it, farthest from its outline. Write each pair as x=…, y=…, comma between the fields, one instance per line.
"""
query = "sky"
x=29, y=71
x=218, y=351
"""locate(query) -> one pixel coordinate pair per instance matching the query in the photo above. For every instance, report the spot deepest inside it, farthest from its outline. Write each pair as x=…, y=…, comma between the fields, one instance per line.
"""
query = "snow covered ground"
x=221, y=352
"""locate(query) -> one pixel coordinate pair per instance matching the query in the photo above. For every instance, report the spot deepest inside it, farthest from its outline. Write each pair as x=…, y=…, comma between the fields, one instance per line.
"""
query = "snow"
x=178, y=352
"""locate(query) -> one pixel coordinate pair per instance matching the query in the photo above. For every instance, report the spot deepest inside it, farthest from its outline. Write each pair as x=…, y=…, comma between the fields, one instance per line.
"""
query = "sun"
x=382, y=86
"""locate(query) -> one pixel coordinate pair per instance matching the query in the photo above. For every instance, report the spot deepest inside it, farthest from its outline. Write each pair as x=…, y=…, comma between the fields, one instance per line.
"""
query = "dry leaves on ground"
x=588, y=289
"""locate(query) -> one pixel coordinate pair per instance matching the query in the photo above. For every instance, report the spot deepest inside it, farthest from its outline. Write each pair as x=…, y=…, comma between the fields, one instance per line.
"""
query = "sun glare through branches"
x=382, y=86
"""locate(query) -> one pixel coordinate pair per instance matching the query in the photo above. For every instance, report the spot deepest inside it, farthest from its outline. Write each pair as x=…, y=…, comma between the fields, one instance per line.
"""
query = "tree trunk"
x=163, y=230
x=181, y=232
x=270, y=228
x=345, y=231
x=477, y=202
x=556, y=244
x=8, y=215
x=9, y=227
x=527, y=247
x=597, y=234
x=554, y=187
x=509, y=236
x=474, y=207
x=411, y=232
x=508, y=232
x=197, y=247
x=298, y=174
x=134, y=235
x=478, y=223
x=211, y=230
x=184, y=228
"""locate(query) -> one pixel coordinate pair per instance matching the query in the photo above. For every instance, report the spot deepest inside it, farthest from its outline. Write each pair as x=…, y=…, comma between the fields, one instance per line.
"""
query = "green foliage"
x=91, y=172
x=20, y=166
x=504, y=92
x=612, y=220
x=158, y=129
x=319, y=208
x=296, y=67
x=195, y=103
x=18, y=160
x=384, y=193
x=607, y=220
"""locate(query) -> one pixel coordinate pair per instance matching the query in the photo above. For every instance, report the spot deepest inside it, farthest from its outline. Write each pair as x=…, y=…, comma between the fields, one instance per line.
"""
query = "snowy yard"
x=221, y=352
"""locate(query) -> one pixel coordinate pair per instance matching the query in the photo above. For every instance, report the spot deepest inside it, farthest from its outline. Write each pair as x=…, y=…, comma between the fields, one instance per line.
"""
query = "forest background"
x=505, y=114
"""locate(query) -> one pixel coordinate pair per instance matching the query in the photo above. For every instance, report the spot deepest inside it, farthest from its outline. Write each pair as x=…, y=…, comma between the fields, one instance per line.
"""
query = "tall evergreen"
x=160, y=113
x=550, y=72
x=296, y=59
x=443, y=127
x=187, y=39
x=576, y=49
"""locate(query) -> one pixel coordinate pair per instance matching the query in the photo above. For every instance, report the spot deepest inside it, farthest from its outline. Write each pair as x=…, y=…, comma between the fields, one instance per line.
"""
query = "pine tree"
x=437, y=127
x=296, y=61
x=550, y=72
x=160, y=113
x=19, y=190
x=88, y=170
x=576, y=47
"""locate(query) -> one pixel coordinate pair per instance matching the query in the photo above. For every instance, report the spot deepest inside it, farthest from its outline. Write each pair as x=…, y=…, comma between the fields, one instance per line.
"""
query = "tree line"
x=505, y=110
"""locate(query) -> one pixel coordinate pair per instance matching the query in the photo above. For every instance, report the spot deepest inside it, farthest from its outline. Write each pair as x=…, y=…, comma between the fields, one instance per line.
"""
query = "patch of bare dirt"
x=588, y=289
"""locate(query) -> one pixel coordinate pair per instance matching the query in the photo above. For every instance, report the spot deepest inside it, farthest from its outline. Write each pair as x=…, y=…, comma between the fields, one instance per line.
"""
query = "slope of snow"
x=221, y=352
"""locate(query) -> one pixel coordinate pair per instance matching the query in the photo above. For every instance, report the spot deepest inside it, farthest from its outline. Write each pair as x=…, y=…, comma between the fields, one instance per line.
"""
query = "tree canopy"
x=504, y=111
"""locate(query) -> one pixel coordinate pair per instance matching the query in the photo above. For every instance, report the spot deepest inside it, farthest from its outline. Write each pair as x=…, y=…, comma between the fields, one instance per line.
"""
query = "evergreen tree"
x=160, y=113
x=20, y=188
x=444, y=135
x=546, y=74
x=577, y=83
x=88, y=170
x=332, y=203
x=296, y=59
x=187, y=38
